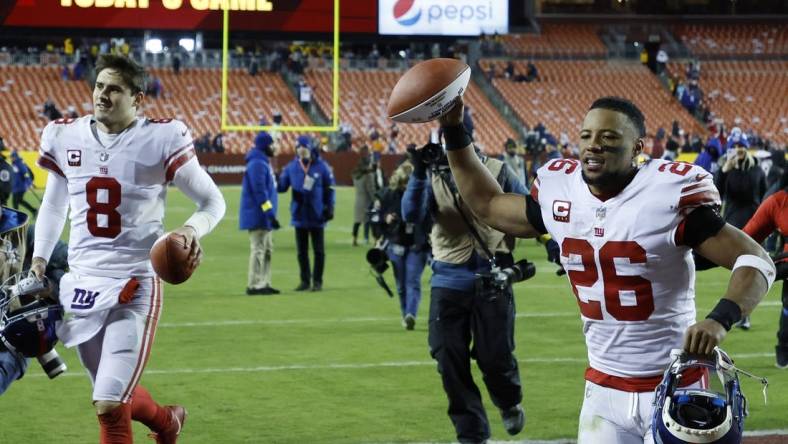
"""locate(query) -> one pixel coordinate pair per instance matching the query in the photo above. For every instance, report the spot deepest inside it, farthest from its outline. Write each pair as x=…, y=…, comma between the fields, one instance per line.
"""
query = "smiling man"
x=626, y=233
x=111, y=169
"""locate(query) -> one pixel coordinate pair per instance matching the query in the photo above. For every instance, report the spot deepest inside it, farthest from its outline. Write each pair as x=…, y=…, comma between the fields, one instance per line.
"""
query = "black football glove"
x=328, y=214
x=275, y=224
x=554, y=255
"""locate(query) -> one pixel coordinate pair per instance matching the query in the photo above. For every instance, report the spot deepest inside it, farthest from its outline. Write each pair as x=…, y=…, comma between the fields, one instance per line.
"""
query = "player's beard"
x=611, y=181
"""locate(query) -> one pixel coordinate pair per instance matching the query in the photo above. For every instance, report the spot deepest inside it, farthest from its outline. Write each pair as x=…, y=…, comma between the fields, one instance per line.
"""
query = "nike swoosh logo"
x=699, y=177
x=184, y=133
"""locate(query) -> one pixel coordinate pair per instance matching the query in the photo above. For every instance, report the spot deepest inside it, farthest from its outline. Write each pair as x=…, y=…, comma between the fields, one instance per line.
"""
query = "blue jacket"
x=22, y=177
x=710, y=154
x=417, y=203
x=259, y=201
x=309, y=208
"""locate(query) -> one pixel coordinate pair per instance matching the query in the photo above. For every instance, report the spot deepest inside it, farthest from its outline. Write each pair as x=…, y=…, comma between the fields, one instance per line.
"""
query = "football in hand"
x=428, y=90
x=170, y=258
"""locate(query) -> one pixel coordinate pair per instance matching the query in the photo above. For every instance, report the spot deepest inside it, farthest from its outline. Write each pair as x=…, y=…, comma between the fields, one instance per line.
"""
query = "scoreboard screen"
x=357, y=16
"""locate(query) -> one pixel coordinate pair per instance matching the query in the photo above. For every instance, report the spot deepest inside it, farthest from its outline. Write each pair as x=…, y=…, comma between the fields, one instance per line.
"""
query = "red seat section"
x=750, y=94
x=734, y=40
x=23, y=91
x=364, y=96
x=556, y=40
x=566, y=89
x=194, y=96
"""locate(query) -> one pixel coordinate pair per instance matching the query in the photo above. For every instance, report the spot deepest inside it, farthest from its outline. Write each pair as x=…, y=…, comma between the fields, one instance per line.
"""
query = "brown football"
x=170, y=259
x=428, y=90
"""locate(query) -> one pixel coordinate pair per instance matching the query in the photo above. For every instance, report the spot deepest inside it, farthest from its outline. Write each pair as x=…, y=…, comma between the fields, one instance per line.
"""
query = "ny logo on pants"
x=83, y=299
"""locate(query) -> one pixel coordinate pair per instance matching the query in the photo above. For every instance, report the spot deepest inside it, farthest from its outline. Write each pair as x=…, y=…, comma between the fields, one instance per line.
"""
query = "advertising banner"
x=192, y=15
x=443, y=17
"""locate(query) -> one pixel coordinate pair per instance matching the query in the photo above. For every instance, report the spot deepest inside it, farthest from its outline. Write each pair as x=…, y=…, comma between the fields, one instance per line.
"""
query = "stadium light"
x=187, y=44
x=154, y=46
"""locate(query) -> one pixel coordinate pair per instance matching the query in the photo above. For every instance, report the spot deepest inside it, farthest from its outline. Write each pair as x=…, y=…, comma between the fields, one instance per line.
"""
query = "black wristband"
x=456, y=137
x=726, y=312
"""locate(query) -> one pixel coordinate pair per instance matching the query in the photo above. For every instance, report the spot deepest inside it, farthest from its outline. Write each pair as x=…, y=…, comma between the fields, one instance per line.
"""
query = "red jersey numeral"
x=108, y=208
x=560, y=164
x=613, y=283
x=680, y=168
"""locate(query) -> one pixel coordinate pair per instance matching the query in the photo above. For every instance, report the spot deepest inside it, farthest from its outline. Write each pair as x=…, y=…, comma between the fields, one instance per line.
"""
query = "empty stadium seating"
x=749, y=94
x=194, y=96
x=734, y=40
x=558, y=40
x=567, y=88
x=23, y=90
x=363, y=99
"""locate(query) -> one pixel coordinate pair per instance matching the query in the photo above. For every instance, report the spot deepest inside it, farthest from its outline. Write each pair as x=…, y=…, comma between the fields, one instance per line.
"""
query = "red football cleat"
x=170, y=436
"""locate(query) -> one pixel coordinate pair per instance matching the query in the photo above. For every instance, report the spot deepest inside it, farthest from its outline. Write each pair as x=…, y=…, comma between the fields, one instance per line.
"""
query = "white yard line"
x=330, y=321
x=348, y=366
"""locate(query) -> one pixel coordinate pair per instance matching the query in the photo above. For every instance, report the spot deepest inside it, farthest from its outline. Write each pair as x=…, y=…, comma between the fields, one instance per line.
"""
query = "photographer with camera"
x=27, y=312
x=512, y=158
x=406, y=243
x=471, y=299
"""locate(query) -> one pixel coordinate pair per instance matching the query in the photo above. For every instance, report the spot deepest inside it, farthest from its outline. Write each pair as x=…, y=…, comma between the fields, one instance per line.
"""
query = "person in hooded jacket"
x=259, y=203
x=742, y=185
x=21, y=181
x=312, y=206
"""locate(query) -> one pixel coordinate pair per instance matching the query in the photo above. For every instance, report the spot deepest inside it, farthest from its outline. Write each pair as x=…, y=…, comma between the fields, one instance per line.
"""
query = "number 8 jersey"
x=116, y=192
x=633, y=277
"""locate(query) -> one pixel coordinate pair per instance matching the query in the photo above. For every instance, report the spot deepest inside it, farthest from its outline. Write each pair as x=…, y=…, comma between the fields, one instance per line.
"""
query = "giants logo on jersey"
x=74, y=157
x=561, y=209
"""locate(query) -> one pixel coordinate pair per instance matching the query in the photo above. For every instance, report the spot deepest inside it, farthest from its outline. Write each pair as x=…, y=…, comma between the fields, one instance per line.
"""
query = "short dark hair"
x=131, y=73
x=625, y=107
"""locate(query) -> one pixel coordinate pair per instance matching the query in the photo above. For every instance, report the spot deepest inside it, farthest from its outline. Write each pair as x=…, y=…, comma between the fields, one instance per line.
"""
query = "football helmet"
x=28, y=316
x=711, y=411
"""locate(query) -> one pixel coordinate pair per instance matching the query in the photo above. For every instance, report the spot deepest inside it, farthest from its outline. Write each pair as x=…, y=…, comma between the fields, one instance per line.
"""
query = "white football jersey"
x=116, y=193
x=625, y=259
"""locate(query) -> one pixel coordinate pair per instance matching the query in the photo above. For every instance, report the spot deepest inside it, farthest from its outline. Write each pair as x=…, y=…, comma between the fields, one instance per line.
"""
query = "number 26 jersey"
x=116, y=193
x=633, y=278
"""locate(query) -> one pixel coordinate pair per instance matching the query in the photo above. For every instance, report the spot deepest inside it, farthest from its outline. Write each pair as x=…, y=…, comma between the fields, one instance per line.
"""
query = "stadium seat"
x=364, y=97
x=567, y=88
x=194, y=96
x=750, y=94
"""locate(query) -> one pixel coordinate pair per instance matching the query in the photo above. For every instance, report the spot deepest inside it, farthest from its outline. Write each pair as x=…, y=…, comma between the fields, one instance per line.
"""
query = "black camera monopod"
x=378, y=261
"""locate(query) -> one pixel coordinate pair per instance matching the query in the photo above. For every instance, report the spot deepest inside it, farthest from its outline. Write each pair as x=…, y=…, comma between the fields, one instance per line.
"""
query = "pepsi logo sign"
x=443, y=17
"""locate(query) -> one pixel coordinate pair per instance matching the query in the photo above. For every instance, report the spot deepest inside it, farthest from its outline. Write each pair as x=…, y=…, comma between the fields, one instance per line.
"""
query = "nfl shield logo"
x=103, y=156
x=74, y=157
x=600, y=213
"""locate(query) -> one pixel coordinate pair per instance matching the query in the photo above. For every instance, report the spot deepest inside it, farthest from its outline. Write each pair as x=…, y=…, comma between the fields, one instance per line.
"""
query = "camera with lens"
x=28, y=318
x=433, y=153
x=378, y=261
x=52, y=364
x=499, y=279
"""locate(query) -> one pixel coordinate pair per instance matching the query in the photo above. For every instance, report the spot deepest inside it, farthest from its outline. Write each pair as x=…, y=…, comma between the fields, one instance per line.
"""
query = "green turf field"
x=336, y=366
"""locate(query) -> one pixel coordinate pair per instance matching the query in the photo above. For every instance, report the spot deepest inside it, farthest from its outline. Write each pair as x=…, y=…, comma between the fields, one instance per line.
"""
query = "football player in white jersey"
x=626, y=233
x=111, y=169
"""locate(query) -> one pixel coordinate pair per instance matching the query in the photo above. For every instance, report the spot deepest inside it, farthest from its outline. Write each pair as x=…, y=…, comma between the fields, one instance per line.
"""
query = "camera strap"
x=453, y=189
